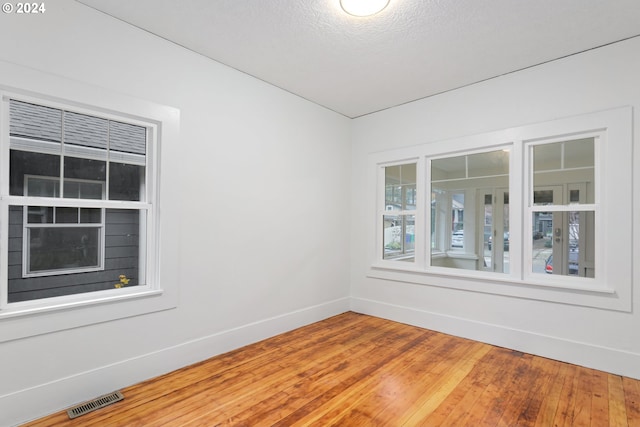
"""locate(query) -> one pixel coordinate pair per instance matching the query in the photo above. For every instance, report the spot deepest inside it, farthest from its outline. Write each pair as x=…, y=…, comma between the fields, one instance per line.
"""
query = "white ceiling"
x=411, y=50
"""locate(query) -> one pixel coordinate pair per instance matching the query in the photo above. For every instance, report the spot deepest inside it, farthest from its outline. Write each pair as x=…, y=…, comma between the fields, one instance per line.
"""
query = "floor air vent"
x=97, y=403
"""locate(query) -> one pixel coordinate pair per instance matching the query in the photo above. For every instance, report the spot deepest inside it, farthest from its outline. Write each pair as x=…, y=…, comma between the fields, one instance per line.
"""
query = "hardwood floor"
x=356, y=370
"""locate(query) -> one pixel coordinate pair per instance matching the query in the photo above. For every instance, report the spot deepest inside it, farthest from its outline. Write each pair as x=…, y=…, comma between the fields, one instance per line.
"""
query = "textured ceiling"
x=411, y=50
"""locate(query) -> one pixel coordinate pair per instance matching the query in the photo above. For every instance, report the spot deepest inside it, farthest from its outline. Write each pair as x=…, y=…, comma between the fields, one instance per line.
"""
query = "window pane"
x=35, y=121
x=506, y=254
x=26, y=163
x=43, y=187
x=495, y=244
x=89, y=190
x=123, y=244
x=400, y=187
x=40, y=215
x=125, y=181
x=563, y=243
x=127, y=138
x=66, y=215
x=84, y=130
x=543, y=197
x=457, y=220
x=90, y=216
x=78, y=168
x=470, y=211
x=54, y=250
x=399, y=237
x=547, y=157
x=77, y=172
x=83, y=190
x=72, y=189
x=579, y=153
x=562, y=164
x=449, y=168
x=493, y=163
x=63, y=248
x=487, y=235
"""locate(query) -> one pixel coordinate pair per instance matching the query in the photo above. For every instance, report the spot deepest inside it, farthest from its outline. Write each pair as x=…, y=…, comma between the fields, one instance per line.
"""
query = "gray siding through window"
x=121, y=257
x=88, y=131
x=127, y=138
x=37, y=122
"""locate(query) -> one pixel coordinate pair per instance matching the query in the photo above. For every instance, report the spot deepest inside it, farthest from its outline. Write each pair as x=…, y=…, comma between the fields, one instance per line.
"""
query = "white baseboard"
x=36, y=402
x=578, y=353
x=32, y=403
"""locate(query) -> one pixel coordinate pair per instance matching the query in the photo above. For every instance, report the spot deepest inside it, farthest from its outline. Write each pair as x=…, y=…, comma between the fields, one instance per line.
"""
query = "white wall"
x=597, y=80
x=262, y=181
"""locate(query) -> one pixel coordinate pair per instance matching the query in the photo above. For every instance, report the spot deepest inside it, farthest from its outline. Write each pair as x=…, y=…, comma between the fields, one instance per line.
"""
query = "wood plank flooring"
x=357, y=370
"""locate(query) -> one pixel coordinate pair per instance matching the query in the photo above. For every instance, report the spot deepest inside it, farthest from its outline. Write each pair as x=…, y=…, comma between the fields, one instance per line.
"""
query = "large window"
x=542, y=207
x=80, y=196
x=470, y=211
x=562, y=207
x=77, y=202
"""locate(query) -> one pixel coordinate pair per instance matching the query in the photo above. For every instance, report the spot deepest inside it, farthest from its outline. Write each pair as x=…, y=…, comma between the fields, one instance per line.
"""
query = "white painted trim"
x=612, y=285
x=44, y=399
x=574, y=352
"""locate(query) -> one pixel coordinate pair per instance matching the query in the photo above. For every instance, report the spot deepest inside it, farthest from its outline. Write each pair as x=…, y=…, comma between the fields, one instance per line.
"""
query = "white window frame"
x=384, y=211
x=611, y=286
x=159, y=291
x=596, y=283
x=418, y=213
x=146, y=204
x=445, y=248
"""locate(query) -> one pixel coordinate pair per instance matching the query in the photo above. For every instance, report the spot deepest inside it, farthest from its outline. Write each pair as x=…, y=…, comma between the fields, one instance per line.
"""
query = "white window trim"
x=382, y=209
x=146, y=204
x=23, y=319
x=445, y=248
x=611, y=289
x=596, y=283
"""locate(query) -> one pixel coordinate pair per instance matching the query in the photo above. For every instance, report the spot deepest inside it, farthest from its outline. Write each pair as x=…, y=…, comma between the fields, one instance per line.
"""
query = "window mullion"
x=564, y=208
x=4, y=253
x=62, y=156
x=76, y=203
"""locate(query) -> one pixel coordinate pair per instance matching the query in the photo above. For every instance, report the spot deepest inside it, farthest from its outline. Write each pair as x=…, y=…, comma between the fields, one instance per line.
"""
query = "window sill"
x=25, y=319
x=74, y=301
x=562, y=291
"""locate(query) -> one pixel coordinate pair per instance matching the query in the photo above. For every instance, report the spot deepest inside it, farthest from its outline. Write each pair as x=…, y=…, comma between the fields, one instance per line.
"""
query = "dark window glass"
x=40, y=215
x=26, y=163
x=125, y=181
x=66, y=215
x=63, y=248
x=84, y=169
x=90, y=215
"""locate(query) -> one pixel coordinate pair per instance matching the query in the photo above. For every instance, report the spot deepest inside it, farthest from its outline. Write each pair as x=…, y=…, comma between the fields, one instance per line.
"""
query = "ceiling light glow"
x=363, y=7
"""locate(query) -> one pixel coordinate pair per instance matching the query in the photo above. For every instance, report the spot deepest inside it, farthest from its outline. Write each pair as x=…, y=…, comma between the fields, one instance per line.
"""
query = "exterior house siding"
x=121, y=257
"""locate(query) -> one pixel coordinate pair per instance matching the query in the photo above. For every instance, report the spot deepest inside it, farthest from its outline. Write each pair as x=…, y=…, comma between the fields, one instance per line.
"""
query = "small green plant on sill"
x=124, y=281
